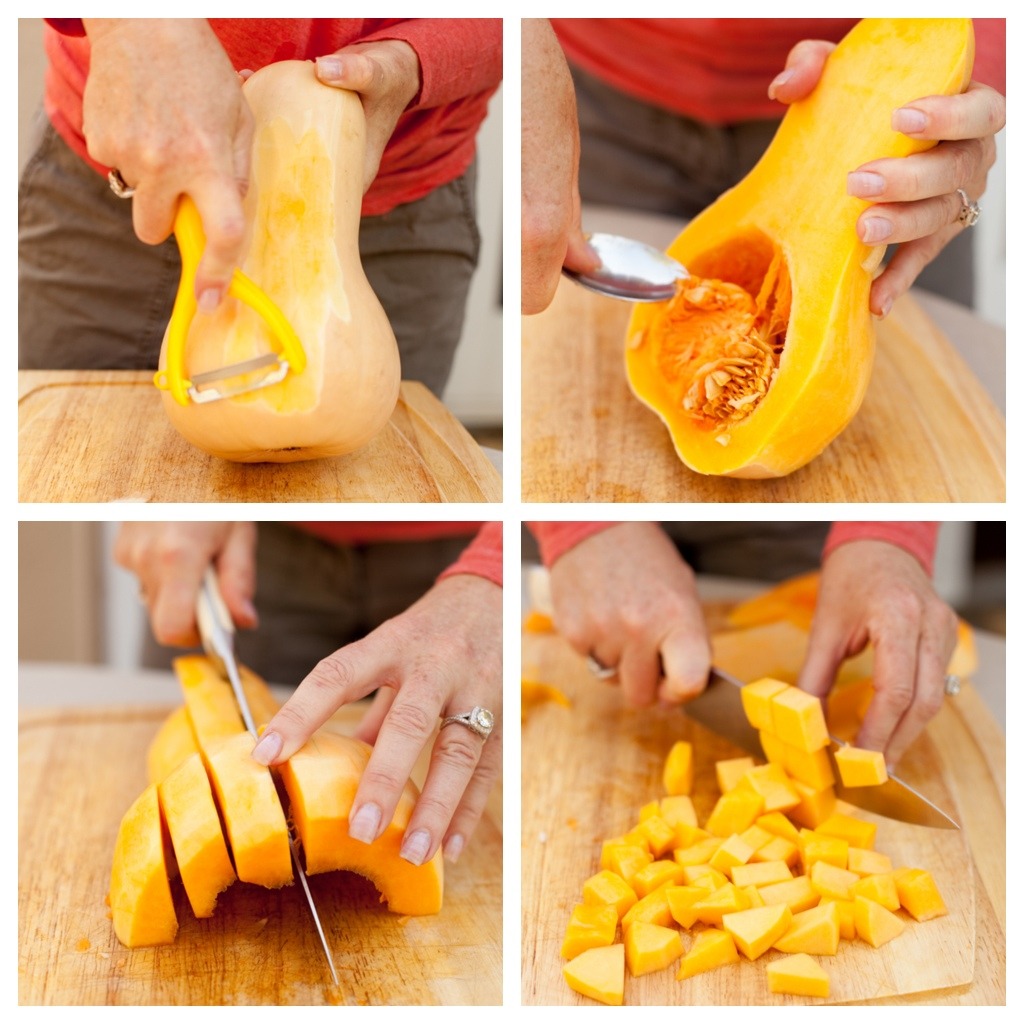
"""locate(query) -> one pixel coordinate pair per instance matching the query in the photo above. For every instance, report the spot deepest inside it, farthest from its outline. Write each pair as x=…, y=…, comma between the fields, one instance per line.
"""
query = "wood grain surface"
x=588, y=770
x=103, y=436
x=927, y=431
x=80, y=769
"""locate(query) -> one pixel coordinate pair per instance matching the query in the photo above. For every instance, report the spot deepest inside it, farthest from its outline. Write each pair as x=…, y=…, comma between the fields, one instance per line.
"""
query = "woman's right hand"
x=170, y=560
x=164, y=106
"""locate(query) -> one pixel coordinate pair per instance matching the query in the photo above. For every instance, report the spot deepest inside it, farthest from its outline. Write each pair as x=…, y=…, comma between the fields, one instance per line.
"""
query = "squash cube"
x=798, y=894
x=678, y=810
x=678, y=772
x=649, y=810
x=868, y=862
x=699, y=853
x=797, y=975
x=847, y=929
x=681, y=899
x=655, y=875
x=735, y=850
x=650, y=947
x=779, y=825
x=734, y=812
x=609, y=889
x=704, y=874
x=858, y=767
x=589, y=927
x=755, y=931
x=757, y=698
x=652, y=909
x=765, y=873
x=712, y=948
x=810, y=767
x=729, y=772
x=725, y=900
x=919, y=894
x=798, y=719
x=778, y=849
x=599, y=973
x=756, y=837
x=661, y=836
x=874, y=924
x=816, y=805
x=814, y=847
x=879, y=888
x=828, y=880
x=770, y=782
x=855, y=831
x=814, y=931
x=626, y=860
x=774, y=749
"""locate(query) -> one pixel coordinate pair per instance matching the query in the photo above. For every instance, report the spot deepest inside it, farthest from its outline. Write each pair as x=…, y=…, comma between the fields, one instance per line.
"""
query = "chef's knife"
x=217, y=631
x=720, y=709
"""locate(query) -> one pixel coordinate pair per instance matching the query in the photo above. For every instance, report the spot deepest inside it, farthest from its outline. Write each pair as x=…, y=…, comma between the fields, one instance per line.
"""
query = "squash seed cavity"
x=718, y=343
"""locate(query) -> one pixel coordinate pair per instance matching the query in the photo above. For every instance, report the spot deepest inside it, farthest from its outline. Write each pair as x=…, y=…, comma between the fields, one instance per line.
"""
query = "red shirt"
x=718, y=70
x=919, y=539
x=434, y=140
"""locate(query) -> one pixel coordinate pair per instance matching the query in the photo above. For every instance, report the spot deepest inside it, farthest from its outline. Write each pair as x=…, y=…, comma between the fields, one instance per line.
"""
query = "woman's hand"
x=386, y=75
x=551, y=232
x=914, y=198
x=441, y=657
x=163, y=105
x=626, y=598
x=170, y=560
x=873, y=592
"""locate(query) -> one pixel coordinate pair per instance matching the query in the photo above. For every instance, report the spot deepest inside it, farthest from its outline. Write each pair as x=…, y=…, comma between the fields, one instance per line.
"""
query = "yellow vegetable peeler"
x=230, y=380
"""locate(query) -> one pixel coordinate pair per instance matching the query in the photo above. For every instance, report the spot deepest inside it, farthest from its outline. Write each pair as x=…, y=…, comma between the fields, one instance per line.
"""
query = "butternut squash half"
x=764, y=355
x=302, y=210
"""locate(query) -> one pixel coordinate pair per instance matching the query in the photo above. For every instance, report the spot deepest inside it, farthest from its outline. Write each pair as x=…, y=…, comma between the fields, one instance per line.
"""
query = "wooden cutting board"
x=79, y=770
x=103, y=436
x=588, y=770
x=926, y=431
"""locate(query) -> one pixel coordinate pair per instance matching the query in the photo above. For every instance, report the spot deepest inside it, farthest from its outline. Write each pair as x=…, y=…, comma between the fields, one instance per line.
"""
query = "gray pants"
x=642, y=157
x=92, y=296
x=313, y=597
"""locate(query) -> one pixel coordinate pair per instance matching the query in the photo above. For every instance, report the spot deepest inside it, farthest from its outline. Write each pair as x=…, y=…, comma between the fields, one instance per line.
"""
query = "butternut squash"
x=302, y=211
x=764, y=355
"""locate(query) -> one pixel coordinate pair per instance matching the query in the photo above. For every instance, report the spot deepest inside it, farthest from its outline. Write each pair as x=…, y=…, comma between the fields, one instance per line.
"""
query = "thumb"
x=686, y=662
x=353, y=71
x=579, y=254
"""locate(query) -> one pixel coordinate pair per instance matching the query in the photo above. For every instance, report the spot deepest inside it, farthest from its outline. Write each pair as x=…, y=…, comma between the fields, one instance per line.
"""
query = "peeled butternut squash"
x=764, y=355
x=302, y=210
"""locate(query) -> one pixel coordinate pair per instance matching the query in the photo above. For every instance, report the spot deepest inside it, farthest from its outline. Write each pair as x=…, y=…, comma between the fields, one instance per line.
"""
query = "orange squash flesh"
x=321, y=781
x=172, y=744
x=140, y=893
x=186, y=801
x=791, y=220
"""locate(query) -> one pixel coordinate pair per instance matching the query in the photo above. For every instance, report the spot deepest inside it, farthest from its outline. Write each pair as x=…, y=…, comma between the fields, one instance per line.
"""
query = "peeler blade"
x=203, y=389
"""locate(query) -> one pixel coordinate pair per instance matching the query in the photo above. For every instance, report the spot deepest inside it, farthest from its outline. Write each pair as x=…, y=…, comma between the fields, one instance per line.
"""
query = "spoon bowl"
x=630, y=270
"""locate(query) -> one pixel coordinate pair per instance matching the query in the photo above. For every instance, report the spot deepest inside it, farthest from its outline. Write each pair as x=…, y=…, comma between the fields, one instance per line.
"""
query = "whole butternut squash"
x=302, y=210
x=764, y=355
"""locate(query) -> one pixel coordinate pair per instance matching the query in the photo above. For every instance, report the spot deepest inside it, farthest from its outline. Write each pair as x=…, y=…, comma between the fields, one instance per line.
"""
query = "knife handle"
x=211, y=603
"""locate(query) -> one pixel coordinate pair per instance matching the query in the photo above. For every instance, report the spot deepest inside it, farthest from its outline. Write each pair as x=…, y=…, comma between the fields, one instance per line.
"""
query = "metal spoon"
x=630, y=270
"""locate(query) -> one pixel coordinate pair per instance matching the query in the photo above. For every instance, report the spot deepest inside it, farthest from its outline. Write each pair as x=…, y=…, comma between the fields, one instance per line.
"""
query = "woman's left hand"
x=386, y=75
x=873, y=592
x=914, y=198
x=440, y=657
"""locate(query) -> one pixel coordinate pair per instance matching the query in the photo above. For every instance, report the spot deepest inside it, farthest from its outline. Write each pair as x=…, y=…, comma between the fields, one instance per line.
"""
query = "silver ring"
x=952, y=685
x=970, y=211
x=599, y=670
x=118, y=185
x=480, y=720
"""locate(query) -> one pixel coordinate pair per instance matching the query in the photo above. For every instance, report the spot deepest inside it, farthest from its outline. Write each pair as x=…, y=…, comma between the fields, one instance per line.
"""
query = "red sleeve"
x=990, y=52
x=458, y=56
x=918, y=539
x=482, y=557
x=554, y=539
x=67, y=26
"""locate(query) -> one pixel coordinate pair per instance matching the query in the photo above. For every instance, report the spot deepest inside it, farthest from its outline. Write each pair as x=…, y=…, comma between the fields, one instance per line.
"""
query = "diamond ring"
x=599, y=670
x=970, y=211
x=118, y=185
x=480, y=720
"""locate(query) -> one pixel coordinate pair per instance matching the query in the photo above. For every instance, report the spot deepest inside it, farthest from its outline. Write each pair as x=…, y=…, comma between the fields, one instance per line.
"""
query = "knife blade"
x=720, y=709
x=217, y=632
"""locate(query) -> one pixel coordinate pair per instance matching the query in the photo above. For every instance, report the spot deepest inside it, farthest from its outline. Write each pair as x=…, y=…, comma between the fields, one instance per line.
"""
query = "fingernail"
x=209, y=300
x=267, y=749
x=875, y=229
x=886, y=307
x=363, y=825
x=453, y=847
x=328, y=67
x=780, y=79
x=864, y=184
x=908, y=120
x=416, y=846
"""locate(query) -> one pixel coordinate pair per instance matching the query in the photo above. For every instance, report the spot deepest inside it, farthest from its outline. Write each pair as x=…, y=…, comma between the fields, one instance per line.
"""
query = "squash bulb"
x=302, y=213
x=764, y=356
